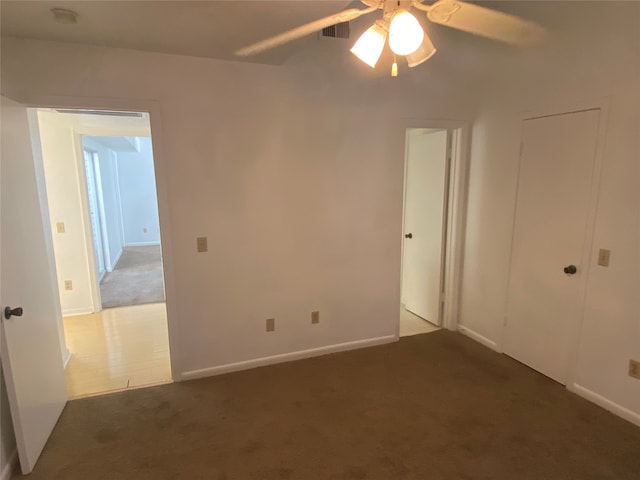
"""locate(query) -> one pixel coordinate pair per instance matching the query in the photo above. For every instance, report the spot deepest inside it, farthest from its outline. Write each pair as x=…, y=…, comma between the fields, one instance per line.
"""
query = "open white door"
x=424, y=223
x=31, y=349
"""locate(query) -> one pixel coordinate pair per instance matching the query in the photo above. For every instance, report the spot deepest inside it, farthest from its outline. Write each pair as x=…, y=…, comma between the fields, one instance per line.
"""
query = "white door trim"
x=153, y=107
x=588, y=253
x=90, y=251
x=457, y=210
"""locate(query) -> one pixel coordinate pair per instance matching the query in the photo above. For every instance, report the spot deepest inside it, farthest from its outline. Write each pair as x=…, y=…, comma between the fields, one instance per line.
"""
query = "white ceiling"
x=213, y=29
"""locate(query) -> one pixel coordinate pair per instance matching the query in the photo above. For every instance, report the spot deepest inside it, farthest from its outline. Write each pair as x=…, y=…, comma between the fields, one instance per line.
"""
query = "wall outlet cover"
x=604, y=256
x=68, y=285
x=201, y=243
x=634, y=369
x=60, y=227
x=271, y=324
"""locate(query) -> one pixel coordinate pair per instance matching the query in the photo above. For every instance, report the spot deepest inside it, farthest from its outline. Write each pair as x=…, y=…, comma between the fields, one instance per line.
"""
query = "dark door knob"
x=408, y=235
x=12, y=312
x=570, y=269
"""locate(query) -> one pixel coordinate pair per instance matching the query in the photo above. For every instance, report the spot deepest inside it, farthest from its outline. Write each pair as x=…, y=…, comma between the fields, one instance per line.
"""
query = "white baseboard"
x=142, y=244
x=77, y=311
x=115, y=261
x=605, y=403
x=286, y=357
x=8, y=469
x=477, y=337
x=67, y=357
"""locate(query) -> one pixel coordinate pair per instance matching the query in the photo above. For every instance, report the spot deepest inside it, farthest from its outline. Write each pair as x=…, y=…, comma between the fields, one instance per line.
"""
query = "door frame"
x=456, y=202
x=153, y=108
x=601, y=104
x=106, y=256
x=85, y=205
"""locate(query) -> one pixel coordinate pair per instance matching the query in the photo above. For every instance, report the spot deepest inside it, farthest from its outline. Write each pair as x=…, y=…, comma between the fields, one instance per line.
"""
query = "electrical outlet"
x=315, y=317
x=634, y=369
x=271, y=324
x=603, y=257
x=60, y=227
x=68, y=285
x=201, y=243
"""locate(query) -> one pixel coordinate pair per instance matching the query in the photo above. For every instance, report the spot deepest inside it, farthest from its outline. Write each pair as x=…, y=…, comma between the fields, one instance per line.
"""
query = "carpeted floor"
x=433, y=406
x=137, y=278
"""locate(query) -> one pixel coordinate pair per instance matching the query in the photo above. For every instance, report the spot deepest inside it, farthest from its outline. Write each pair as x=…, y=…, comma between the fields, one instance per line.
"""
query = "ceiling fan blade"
x=304, y=30
x=485, y=22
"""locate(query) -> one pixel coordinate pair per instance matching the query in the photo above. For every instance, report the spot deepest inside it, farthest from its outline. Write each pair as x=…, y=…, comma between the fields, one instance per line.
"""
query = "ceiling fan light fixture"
x=405, y=33
x=423, y=53
x=369, y=46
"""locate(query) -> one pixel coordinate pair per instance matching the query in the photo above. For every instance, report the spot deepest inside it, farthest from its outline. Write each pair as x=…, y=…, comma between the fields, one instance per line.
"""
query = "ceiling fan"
x=405, y=34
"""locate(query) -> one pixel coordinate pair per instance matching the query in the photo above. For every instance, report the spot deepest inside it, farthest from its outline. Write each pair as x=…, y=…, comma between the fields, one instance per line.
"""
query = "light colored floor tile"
x=116, y=349
x=411, y=324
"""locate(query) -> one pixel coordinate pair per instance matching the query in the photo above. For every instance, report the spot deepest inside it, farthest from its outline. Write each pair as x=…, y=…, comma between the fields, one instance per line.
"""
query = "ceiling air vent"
x=101, y=112
x=340, y=30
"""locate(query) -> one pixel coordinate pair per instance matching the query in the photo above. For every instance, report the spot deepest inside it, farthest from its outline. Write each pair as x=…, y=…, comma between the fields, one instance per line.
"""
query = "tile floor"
x=411, y=324
x=117, y=349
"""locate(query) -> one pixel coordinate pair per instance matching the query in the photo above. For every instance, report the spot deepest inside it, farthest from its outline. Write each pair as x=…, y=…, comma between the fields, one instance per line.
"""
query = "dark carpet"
x=433, y=406
x=137, y=278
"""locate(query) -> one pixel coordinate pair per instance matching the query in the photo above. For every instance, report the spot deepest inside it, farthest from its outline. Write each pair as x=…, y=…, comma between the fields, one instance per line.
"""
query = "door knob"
x=570, y=269
x=12, y=312
x=408, y=235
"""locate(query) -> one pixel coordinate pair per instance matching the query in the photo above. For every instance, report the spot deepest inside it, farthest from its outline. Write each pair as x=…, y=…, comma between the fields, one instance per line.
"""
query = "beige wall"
x=295, y=177
x=64, y=176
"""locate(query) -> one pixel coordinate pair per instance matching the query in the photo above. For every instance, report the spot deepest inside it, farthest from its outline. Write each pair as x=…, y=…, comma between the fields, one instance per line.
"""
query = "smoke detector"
x=62, y=15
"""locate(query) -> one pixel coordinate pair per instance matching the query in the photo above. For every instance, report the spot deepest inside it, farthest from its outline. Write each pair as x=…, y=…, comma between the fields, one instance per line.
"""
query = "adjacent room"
x=387, y=240
x=102, y=204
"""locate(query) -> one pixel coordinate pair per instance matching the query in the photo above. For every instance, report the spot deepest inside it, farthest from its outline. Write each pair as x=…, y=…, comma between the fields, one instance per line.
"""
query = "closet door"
x=548, y=258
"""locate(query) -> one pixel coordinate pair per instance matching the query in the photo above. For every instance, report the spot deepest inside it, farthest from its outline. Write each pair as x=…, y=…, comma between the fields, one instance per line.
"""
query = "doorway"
x=100, y=183
x=425, y=215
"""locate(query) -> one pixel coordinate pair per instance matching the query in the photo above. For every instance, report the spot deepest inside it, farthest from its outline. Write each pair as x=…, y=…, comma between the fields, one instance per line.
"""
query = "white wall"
x=63, y=174
x=139, y=202
x=110, y=195
x=294, y=176
x=594, y=56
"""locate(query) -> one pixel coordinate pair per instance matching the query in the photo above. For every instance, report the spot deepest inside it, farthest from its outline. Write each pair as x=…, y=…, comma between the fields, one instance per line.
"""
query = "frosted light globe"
x=369, y=46
x=405, y=33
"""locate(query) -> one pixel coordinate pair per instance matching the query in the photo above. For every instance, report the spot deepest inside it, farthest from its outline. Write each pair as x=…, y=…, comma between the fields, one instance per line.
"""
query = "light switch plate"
x=315, y=317
x=603, y=257
x=201, y=243
x=271, y=324
x=60, y=227
x=68, y=285
x=634, y=369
